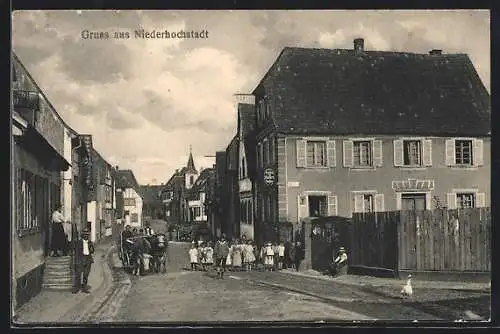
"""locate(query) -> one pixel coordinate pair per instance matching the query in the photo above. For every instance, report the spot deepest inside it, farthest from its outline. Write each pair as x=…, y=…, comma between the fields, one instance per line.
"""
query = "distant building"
x=153, y=207
x=131, y=200
x=176, y=192
x=231, y=188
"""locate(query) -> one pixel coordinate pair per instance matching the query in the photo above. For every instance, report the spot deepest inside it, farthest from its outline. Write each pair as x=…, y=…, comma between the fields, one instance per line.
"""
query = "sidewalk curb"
x=85, y=306
x=395, y=284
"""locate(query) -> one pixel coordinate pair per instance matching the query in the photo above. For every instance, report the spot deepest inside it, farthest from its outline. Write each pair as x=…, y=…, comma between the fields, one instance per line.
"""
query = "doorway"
x=413, y=202
x=318, y=206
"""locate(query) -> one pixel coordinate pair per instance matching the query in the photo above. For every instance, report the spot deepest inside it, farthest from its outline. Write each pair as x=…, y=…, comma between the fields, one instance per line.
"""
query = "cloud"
x=145, y=101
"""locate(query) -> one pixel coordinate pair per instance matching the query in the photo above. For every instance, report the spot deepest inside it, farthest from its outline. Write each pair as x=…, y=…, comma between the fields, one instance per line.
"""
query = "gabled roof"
x=126, y=179
x=151, y=193
x=232, y=154
x=335, y=91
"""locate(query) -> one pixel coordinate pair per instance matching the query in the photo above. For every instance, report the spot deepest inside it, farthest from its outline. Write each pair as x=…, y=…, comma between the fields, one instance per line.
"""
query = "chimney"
x=359, y=45
x=435, y=52
x=117, y=167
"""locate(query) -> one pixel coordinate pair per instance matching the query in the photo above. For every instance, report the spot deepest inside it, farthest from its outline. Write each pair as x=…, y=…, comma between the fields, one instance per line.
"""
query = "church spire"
x=190, y=163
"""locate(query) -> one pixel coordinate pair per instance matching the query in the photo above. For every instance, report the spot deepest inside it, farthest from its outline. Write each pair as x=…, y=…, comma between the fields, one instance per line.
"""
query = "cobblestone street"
x=185, y=296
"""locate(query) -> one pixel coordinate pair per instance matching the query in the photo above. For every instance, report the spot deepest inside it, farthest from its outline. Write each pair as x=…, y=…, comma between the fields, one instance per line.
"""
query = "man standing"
x=83, y=262
x=221, y=252
x=58, y=240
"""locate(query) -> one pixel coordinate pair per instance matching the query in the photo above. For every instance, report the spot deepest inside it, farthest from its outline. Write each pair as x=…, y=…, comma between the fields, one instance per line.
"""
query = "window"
x=266, y=152
x=108, y=193
x=129, y=201
x=134, y=218
x=368, y=203
x=316, y=153
x=267, y=108
x=261, y=155
x=412, y=153
x=413, y=202
x=242, y=168
x=168, y=213
x=196, y=212
x=463, y=152
x=362, y=153
x=191, y=180
x=318, y=206
x=465, y=200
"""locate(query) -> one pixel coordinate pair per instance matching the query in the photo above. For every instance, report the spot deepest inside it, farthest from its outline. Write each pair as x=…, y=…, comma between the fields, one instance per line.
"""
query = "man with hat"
x=83, y=261
x=339, y=265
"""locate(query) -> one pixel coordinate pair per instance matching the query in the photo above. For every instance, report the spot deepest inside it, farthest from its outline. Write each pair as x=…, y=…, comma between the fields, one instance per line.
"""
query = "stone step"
x=56, y=275
x=57, y=286
x=58, y=259
x=57, y=266
x=62, y=279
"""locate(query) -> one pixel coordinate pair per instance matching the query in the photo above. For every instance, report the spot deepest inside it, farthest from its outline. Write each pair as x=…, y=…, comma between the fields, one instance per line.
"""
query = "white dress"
x=248, y=254
x=193, y=255
x=210, y=255
x=269, y=259
x=229, y=256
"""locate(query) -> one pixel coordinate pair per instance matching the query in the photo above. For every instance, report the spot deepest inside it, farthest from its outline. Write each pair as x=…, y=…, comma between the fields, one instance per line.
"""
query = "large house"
x=130, y=198
x=343, y=131
x=152, y=202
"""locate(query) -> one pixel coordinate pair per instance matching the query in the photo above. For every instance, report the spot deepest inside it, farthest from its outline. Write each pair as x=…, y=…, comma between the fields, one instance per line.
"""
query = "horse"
x=159, y=245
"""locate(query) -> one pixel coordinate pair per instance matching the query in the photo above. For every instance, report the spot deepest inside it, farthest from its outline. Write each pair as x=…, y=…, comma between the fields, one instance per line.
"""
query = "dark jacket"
x=221, y=249
x=79, y=250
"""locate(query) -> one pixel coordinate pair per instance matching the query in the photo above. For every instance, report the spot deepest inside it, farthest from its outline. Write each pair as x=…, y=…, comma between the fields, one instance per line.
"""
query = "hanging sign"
x=269, y=176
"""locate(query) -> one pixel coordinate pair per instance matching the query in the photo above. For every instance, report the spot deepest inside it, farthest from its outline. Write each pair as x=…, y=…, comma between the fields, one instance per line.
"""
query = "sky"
x=145, y=101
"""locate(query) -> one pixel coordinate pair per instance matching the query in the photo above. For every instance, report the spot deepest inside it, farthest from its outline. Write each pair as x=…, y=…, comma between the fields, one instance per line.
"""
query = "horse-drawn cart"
x=147, y=256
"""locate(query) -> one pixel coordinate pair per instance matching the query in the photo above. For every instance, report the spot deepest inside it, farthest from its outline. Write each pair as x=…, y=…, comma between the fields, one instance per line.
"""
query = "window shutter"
x=450, y=152
x=302, y=207
x=331, y=153
x=427, y=152
x=301, y=153
x=348, y=152
x=451, y=199
x=428, y=201
x=398, y=152
x=379, y=202
x=477, y=155
x=358, y=203
x=332, y=206
x=480, y=200
x=377, y=153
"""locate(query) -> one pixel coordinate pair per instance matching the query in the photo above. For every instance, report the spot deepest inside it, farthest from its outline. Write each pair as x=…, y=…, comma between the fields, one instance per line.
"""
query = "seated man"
x=339, y=265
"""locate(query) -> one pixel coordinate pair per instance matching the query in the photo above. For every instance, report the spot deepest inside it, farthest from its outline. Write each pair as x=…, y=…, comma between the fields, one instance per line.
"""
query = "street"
x=185, y=296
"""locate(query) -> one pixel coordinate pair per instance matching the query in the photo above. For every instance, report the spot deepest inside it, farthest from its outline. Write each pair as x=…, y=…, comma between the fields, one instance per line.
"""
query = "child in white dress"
x=269, y=257
x=209, y=255
x=193, y=257
x=248, y=255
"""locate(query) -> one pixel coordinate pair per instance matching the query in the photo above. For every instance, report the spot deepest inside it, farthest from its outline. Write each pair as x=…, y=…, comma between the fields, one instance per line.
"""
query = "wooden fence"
x=439, y=240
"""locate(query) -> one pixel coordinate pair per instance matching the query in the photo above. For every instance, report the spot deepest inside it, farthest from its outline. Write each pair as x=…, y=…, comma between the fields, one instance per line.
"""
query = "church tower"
x=191, y=174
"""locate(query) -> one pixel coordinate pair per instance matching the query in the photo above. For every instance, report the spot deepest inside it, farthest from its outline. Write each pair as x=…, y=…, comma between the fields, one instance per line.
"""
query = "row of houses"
x=51, y=165
x=331, y=132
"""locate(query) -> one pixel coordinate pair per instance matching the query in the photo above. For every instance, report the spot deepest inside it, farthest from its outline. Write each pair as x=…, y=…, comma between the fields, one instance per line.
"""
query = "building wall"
x=136, y=209
x=67, y=179
x=28, y=249
x=341, y=181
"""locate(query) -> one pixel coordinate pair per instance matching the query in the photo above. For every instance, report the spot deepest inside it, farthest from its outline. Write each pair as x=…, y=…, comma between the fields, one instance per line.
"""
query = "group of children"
x=244, y=255
x=241, y=255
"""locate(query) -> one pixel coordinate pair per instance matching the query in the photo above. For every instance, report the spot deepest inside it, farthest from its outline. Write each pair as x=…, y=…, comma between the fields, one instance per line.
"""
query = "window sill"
x=413, y=167
x=27, y=232
x=317, y=167
x=362, y=168
x=464, y=167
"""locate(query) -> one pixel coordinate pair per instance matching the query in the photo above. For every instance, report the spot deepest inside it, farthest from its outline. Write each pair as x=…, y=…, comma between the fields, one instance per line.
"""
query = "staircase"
x=57, y=273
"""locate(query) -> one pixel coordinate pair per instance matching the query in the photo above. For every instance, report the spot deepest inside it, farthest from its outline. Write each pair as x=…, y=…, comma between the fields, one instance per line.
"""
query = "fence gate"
x=328, y=234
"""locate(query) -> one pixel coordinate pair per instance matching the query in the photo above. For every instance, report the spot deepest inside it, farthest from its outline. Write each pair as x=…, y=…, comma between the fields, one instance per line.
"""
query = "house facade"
x=130, y=198
x=341, y=131
x=37, y=163
x=231, y=188
x=218, y=219
x=246, y=167
x=101, y=209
